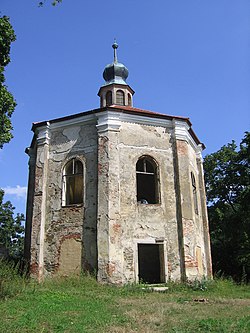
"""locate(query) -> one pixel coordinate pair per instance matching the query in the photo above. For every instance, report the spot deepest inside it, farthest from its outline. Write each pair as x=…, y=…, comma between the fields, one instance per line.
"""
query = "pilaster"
x=39, y=201
x=30, y=198
x=108, y=227
x=187, y=230
x=179, y=212
x=204, y=214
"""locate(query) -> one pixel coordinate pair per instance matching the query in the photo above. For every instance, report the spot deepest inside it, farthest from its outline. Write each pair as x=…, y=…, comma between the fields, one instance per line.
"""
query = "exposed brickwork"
x=105, y=230
x=110, y=269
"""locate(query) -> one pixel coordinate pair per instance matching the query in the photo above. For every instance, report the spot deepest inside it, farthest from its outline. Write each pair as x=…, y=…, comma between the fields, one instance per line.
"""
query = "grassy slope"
x=80, y=304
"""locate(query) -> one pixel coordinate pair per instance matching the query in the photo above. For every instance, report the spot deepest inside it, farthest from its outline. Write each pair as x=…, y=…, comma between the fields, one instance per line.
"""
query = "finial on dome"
x=115, y=47
x=115, y=72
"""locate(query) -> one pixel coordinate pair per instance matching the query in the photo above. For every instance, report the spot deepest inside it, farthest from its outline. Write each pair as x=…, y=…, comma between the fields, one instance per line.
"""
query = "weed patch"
x=11, y=282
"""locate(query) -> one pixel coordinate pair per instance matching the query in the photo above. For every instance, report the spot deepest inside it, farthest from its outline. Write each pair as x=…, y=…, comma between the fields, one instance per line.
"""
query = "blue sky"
x=186, y=58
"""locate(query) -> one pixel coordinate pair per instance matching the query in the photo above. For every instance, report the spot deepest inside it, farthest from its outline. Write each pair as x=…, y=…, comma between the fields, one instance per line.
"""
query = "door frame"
x=163, y=261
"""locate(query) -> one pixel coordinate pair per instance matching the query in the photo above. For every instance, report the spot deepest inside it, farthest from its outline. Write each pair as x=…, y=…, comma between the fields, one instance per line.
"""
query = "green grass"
x=80, y=304
x=11, y=283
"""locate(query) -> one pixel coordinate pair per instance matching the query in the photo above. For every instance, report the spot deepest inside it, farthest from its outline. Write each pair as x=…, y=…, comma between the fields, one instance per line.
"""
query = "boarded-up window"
x=70, y=257
x=120, y=100
x=147, y=181
x=73, y=183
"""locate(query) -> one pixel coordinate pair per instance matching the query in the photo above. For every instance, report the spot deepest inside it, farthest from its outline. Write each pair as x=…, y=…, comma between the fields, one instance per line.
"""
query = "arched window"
x=129, y=100
x=147, y=181
x=194, y=193
x=73, y=183
x=120, y=100
x=109, y=98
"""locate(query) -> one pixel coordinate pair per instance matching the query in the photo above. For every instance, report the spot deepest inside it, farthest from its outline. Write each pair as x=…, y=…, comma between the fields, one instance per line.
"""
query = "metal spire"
x=115, y=46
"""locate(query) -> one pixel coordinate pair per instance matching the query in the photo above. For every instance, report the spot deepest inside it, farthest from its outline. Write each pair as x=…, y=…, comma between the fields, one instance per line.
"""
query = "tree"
x=7, y=102
x=11, y=229
x=227, y=177
x=54, y=2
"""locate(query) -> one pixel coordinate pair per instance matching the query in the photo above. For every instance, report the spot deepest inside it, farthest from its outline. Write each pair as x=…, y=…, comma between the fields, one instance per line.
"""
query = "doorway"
x=151, y=263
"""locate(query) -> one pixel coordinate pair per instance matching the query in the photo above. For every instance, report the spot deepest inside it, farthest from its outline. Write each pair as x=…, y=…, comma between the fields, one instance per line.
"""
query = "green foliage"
x=227, y=177
x=54, y=2
x=201, y=285
x=7, y=106
x=7, y=37
x=11, y=229
x=7, y=102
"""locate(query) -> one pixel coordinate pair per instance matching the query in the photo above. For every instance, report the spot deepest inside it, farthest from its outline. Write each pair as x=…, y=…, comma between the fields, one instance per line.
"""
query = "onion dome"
x=115, y=72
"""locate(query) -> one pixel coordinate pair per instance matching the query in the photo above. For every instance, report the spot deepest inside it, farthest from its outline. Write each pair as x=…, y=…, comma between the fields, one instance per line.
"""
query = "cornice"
x=108, y=121
x=145, y=120
x=84, y=119
x=112, y=120
x=182, y=132
x=43, y=134
x=111, y=86
x=32, y=156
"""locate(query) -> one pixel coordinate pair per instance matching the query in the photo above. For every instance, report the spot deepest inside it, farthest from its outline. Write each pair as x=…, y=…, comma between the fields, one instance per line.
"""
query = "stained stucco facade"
x=111, y=231
x=104, y=232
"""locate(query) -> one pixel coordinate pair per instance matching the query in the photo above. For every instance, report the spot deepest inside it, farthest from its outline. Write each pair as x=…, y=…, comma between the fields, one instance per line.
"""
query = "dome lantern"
x=115, y=91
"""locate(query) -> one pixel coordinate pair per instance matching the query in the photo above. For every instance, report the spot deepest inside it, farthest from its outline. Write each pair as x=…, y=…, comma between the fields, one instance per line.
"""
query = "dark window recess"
x=194, y=193
x=120, y=100
x=147, y=181
x=73, y=182
x=109, y=98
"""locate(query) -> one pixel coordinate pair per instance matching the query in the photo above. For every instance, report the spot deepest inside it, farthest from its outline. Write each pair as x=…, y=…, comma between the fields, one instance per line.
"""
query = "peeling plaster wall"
x=123, y=223
x=128, y=223
x=193, y=232
x=36, y=222
x=62, y=224
x=103, y=234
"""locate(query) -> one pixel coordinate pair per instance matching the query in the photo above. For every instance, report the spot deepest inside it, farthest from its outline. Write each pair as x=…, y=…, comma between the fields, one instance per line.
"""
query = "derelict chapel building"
x=118, y=191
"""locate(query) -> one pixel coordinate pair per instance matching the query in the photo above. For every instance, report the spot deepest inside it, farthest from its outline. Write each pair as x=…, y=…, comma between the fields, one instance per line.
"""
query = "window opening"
x=73, y=183
x=194, y=193
x=120, y=100
x=147, y=181
x=109, y=98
